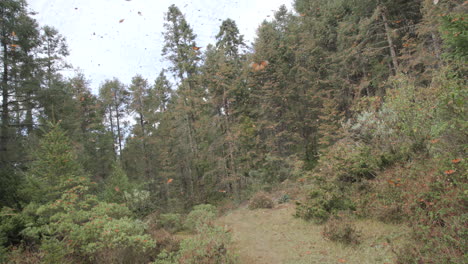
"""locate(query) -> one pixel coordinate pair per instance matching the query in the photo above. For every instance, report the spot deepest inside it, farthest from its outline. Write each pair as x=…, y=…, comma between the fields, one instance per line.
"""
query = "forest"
x=351, y=110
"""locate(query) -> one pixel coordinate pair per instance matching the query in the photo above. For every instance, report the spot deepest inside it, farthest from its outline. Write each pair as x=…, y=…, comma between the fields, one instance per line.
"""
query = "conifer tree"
x=181, y=50
x=55, y=162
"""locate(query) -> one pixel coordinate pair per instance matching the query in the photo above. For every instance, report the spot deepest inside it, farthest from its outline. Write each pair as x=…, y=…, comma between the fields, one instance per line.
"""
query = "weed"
x=260, y=200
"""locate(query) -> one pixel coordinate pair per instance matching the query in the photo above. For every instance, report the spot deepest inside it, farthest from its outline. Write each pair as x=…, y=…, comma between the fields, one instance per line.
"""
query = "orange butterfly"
x=259, y=66
x=302, y=15
x=454, y=161
x=170, y=180
x=14, y=45
x=448, y=172
x=196, y=48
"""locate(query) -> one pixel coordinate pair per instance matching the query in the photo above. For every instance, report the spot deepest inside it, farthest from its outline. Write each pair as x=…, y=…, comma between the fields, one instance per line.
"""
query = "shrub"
x=321, y=203
x=260, y=200
x=284, y=199
x=341, y=230
x=201, y=215
x=208, y=246
x=170, y=222
x=139, y=201
x=77, y=226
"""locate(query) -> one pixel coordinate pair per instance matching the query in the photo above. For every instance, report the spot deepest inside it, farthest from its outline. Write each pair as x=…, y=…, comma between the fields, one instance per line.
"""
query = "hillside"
x=339, y=135
x=274, y=236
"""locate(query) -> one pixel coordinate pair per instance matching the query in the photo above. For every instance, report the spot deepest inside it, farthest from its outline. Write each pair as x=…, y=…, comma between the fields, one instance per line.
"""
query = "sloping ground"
x=274, y=236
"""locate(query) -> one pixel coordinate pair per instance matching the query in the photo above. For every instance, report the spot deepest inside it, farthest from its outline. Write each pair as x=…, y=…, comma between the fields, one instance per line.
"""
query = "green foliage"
x=454, y=30
x=170, y=222
x=342, y=230
x=322, y=203
x=260, y=200
x=208, y=246
x=201, y=216
x=284, y=199
x=79, y=225
x=116, y=185
x=139, y=201
x=54, y=163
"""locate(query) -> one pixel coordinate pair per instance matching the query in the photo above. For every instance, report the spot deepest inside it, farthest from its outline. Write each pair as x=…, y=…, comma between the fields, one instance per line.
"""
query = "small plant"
x=284, y=199
x=322, y=203
x=200, y=216
x=341, y=230
x=170, y=222
x=139, y=201
x=260, y=200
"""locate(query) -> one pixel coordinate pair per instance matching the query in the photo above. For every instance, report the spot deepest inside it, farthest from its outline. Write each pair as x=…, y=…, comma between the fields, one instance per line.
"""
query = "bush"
x=284, y=199
x=80, y=228
x=260, y=200
x=201, y=215
x=341, y=230
x=321, y=203
x=139, y=201
x=207, y=247
x=170, y=222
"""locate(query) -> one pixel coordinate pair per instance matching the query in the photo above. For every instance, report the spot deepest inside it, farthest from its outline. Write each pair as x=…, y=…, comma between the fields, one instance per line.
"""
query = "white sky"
x=103, y=48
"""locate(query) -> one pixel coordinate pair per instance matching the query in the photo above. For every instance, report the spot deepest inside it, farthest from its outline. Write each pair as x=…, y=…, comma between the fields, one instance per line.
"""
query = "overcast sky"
x=103, y=48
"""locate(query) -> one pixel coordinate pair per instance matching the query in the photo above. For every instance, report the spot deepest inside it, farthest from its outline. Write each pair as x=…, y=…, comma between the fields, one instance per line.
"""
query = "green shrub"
x=208, y=246
x=78, y=226
x=139, y=201
x=284, y=199
x=170, y=222
x=260, y=200
x=321, y=204
x=341, y=229
x=201, y=215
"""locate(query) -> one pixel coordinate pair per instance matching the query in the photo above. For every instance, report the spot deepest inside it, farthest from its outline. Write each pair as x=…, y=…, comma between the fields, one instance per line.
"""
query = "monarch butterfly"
x=259, y=66
x=14, y=45
x=448, y=172
x=170, y=180
x=196, y=48
x=454, y=161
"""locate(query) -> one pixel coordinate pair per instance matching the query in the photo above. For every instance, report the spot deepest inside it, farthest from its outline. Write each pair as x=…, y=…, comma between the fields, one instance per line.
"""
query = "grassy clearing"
x=274, y=236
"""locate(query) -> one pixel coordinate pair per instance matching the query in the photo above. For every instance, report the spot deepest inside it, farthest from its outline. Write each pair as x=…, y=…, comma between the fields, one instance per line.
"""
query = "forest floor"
x=275, y=236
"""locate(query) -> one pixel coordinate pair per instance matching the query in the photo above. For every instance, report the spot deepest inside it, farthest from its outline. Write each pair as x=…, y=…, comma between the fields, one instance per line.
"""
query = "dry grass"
x=274, y=236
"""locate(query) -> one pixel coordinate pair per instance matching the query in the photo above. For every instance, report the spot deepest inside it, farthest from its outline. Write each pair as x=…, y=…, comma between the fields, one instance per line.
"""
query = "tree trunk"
x=145, y=150
x=111, y=120
x=4, y=138
x=390, y=41
x=117, y=117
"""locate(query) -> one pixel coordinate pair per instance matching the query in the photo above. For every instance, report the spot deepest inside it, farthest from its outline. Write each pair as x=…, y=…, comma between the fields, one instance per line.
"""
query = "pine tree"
x=114, y=97
x=181, y=50
x=55, y=162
